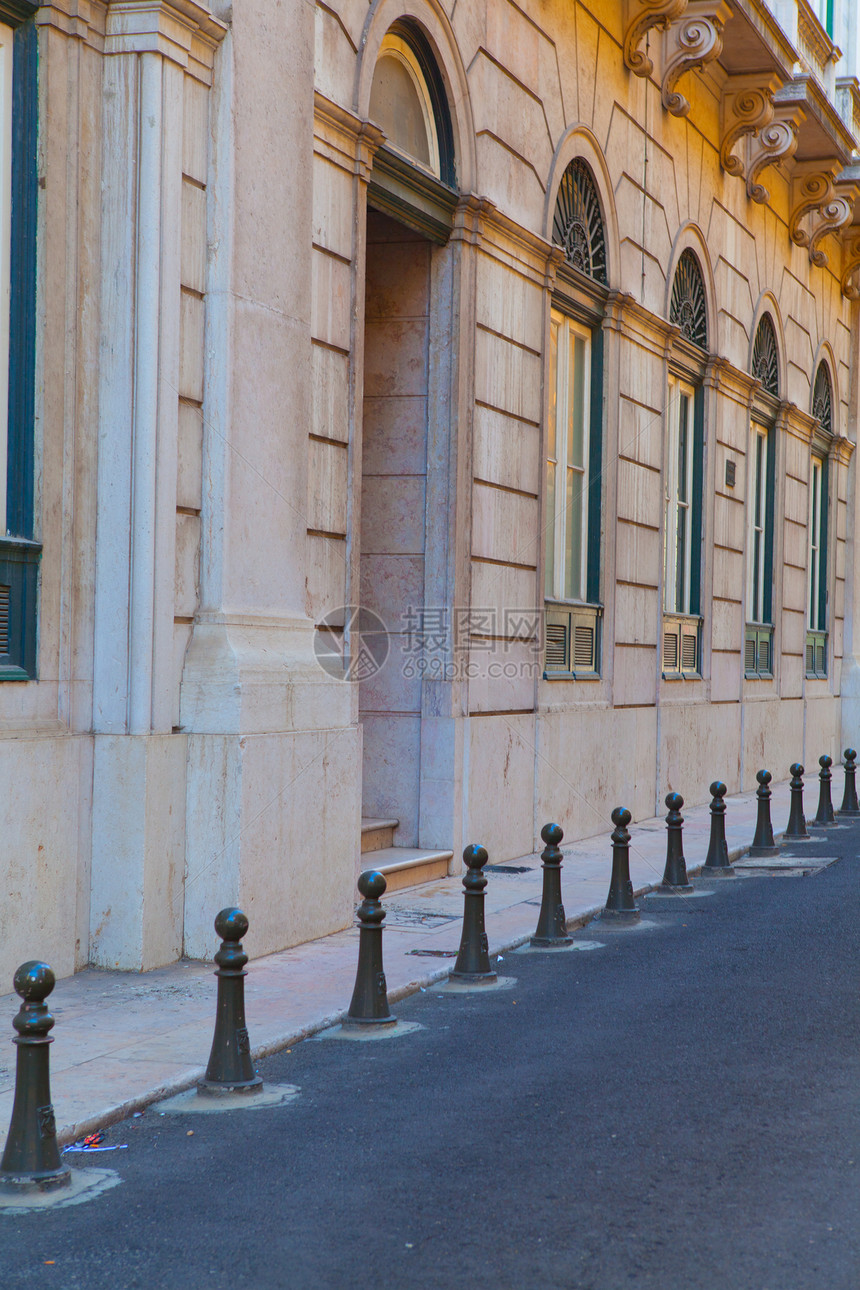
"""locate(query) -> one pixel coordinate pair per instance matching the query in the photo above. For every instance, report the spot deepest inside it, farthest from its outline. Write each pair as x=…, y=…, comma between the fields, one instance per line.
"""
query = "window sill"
x=682, y=676
x=571, y=676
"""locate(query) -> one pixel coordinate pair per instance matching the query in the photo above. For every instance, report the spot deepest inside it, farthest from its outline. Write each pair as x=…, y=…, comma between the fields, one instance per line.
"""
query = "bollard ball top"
x=825, y=761
x=34, y=981
x=231, y=924
x=795, y=769
x=849, y=754
x=475, y=856
x=552, y=834
x=372, y=884
x=674, y=801
x=763, y=776
x=621, y=816
x=718, y=789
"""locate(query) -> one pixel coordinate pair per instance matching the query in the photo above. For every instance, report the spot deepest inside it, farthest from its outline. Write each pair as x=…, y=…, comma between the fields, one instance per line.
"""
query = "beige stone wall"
x=543, y=87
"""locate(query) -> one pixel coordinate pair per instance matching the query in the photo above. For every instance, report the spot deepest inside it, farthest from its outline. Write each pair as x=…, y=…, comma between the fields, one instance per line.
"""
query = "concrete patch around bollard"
x=475, y=987
x=558, y=949
x=84, y=1185
x=365, y=1034
x=193, y=1103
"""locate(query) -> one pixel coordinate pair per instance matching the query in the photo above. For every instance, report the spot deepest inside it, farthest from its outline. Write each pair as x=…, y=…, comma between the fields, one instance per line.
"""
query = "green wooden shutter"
x=595, y=469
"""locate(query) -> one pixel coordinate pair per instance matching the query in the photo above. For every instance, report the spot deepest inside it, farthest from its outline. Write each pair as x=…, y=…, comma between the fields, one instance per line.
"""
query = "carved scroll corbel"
x=746, y=108
x=774, y=143
x=810, y=192
x=643, y=16
x=691, y=44
x=850, y=266
x=835, y=216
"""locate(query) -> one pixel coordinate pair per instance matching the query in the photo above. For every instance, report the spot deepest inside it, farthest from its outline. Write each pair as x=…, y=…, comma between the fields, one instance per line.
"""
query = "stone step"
x=407, y=866
x=376, y=834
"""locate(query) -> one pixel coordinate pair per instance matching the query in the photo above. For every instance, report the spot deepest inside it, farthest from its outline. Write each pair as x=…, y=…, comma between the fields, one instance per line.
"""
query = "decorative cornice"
x=14, y=12
x=794, y=421
x=185, y=32
x=842, y=449
x=731, y=381
x=776, y=142
x=642, y=17
x=624, y=314
x=746, y=108
x=691, y=44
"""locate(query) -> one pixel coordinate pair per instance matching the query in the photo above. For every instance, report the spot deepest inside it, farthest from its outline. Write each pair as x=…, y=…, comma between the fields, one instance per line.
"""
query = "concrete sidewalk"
x=123, y=1040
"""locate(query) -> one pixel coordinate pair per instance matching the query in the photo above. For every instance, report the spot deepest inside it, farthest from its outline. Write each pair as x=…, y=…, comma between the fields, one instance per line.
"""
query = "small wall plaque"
x=730, y=474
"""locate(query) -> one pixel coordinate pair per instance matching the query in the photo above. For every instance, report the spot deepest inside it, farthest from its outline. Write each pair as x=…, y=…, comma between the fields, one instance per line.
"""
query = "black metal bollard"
x=620, y=905
x=796, y=828
x=675, y=872
x=230, y=1068
x=824, y=819
x=369, y=1006
x=717, y=860
x=552, y=923
x=473, y=960
x=763, y=843
x=31, y=1160
x=850, y=805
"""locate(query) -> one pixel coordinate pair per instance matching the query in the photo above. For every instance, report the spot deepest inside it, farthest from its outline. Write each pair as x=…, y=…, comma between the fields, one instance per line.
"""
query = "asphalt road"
x=678, y=1110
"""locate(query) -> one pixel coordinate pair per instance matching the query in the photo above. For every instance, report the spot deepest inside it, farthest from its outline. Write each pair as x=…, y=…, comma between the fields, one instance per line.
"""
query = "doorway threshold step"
x=376, y=834
x=407, y=866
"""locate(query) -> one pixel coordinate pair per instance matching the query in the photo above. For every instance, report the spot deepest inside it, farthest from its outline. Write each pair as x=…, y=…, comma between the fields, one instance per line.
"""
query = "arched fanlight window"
x=822, y=399
x=688, y=309
x=578, y=223
x=765, y=360
x=407, y=99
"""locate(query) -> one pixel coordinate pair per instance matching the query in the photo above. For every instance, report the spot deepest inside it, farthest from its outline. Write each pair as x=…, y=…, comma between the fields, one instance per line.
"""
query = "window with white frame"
x=758, y=572
x=816, y=632
x=758, y=640
x=678, y=535
x=6, y=67
x=20, y=552
x=567, y=460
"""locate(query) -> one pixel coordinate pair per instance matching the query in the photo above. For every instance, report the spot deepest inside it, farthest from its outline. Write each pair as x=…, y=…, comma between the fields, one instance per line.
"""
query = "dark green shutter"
x=822, y=549
x=595, y=468
x=19, y=554
x=696, y=518
x=22, y=318
x=770, y=476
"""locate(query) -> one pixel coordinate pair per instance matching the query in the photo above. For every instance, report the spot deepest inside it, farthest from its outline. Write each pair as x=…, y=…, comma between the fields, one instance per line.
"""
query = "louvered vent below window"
x=680, y=647
x=583, y=649
x=758, y=652
x=4, y=619
x=670, y=652
x=749, y=654
x=816, y=655
x=764, y=664
x=556, y=646
x=689, y=652
x=572, y=640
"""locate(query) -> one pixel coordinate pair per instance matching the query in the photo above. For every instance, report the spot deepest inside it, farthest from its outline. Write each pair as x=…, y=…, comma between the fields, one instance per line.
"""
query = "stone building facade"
x=433, y=414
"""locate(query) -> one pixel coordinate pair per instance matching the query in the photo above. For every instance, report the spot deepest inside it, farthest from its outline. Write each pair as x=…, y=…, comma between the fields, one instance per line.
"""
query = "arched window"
x=689, y=309
x=822, y=398
x=575, y=432
x=407, y=99
x=578, y=223
x=816, y=627
x=683, y=470
x=765, y=360
x=761, y=481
